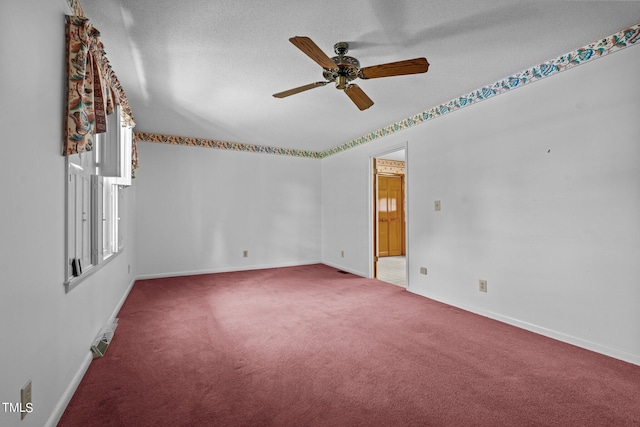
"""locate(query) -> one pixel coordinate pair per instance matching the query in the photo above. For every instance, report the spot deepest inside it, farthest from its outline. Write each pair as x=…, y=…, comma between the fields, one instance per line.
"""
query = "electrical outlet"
x=245, y=254
x=437, y=205
x=342, y=254
x=483, y=286
x=26, y=405
x=423, y=270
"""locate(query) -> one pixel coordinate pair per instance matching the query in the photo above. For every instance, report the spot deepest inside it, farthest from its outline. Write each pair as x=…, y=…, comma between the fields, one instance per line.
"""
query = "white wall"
x=540, y=192
x=45, y=334
x=347, y=206
x=556, y=234
x=200, y=208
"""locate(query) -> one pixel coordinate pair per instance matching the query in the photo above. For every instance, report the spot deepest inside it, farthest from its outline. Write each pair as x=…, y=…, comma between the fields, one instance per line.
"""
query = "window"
x=95, y=182
x=79, y=213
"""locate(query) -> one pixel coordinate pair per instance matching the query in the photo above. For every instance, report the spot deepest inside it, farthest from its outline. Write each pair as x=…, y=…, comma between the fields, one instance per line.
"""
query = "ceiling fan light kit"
x=343, y=69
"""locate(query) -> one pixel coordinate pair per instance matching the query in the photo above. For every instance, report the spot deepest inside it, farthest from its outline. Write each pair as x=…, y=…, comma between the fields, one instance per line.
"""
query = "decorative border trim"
x=612, y=43
x=597, y=49
x=223, y=145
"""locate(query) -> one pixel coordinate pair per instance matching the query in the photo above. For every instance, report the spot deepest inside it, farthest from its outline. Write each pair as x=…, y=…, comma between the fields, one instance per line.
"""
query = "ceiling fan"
x=343, y=69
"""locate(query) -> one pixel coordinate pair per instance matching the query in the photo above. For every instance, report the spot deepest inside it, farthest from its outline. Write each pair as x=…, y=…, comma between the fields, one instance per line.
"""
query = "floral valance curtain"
x=93, y=88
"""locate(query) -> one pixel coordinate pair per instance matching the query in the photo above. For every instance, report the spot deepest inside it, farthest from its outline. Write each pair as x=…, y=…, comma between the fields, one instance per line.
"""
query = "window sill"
x=76, y=280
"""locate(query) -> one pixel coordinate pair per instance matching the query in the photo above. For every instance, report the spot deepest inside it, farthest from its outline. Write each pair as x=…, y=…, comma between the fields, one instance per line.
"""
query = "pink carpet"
x=308, y=346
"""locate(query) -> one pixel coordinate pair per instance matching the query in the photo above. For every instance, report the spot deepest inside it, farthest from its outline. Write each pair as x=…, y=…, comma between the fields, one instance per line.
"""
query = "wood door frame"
x=373, y=237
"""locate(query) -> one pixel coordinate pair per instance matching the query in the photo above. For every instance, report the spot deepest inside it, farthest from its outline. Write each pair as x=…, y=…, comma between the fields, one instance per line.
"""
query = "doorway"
x=390, y=199
x=389, y=218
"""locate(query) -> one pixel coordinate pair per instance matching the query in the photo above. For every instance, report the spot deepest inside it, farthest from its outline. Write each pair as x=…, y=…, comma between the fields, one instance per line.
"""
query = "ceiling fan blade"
x=306, y=45
x=400, y=68
x=358, y=97
x=299, y=89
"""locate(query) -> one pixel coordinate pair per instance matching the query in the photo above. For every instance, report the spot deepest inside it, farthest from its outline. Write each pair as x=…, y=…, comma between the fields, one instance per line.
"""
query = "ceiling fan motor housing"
x=347, y=67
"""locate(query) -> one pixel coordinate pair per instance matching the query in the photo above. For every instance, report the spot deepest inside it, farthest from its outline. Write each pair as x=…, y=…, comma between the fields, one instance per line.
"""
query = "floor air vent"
x=102, y=341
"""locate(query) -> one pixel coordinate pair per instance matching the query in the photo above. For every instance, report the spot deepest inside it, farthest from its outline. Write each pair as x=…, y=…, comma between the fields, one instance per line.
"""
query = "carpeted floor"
x=308, y=346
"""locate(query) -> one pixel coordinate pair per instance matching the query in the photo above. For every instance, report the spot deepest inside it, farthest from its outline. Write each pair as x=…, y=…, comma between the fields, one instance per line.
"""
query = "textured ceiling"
x=208, y=69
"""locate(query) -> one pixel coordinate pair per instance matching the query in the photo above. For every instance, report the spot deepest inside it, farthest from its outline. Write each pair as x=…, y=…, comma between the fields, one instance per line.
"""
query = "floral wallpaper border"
x=597, y=49
x=222, y=145
x=564, y=62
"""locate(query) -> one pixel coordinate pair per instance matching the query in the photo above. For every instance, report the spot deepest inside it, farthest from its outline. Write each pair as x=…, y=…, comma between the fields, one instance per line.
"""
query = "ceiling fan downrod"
x=341, y=48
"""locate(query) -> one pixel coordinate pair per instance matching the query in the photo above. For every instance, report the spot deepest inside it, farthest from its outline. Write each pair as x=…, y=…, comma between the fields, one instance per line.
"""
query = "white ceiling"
x=208, y=69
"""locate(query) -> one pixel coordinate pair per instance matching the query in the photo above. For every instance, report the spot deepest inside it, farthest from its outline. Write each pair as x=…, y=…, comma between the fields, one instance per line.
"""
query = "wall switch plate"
x=483, y=286
x=342, y=254
x=423, y=270
x=25, y=400
x=437, y=205
x=245, y=254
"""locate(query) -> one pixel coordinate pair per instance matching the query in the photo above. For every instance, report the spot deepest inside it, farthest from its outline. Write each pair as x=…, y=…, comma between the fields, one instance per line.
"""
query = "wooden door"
x=390, y=215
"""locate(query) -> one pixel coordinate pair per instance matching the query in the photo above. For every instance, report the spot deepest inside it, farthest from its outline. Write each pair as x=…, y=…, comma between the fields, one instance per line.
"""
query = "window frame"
x=94, y=186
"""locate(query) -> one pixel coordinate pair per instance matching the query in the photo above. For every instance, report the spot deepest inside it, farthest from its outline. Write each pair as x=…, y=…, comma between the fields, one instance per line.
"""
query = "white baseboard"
x=64, y=400
x=55, y=416
x=224, y=270
x=118, y=306
x=347, y=269
x=569, y=339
